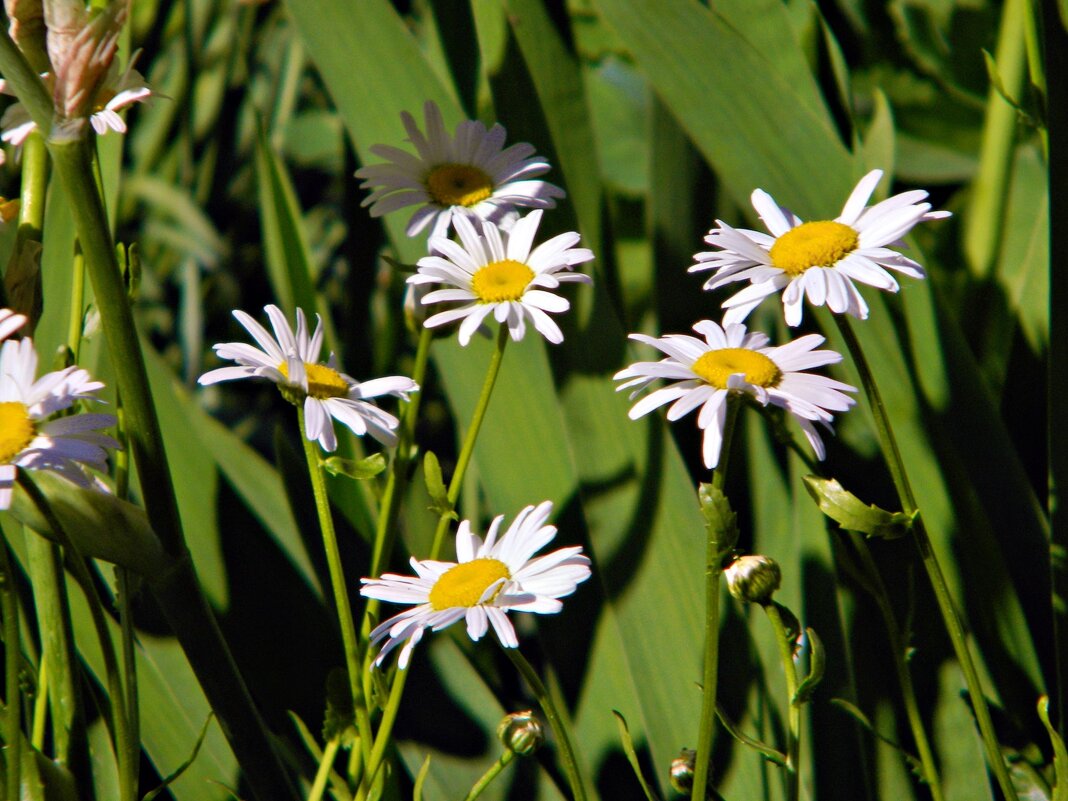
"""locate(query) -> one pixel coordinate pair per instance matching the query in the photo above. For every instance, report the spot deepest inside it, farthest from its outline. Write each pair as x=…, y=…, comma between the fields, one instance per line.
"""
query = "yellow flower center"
x=16, y=430
x=458, y=185
x=501, y=281
x=464, y=584
x=323, y=382
x=813, y=244
x=104, y=95
x=717, y=366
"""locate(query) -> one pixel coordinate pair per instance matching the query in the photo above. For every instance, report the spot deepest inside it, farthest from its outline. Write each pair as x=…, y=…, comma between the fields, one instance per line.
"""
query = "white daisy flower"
x=10, y=322
x=28, y=439
x=291, y=360
x=471, y=170
x=488, y=580
x=819, y=259
x=114, y=94
x=731, y=360
x=497, y=273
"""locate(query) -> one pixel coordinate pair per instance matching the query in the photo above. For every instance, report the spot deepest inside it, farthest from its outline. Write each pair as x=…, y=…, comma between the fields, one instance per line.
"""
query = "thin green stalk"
x=556, y=721
x=986, y=213
x=389, y=715
x=12, y=657
x=337, y=581
x=904, y=677
x=124, y=748
x=322, y=776
x=503, y=761
x=952, y=621
x=713, y=571
x=793, y=731
x=129, y=671
x=468, y=448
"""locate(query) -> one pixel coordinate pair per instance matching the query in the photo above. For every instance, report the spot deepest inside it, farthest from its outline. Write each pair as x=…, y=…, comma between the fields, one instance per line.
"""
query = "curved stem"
x=904, y=677
x=494, y=771
x=322, y=776
x=556, y=721
x=337, y=580
x=468, y=447
x=952, y=621
x=713, y=571
x=793, y=734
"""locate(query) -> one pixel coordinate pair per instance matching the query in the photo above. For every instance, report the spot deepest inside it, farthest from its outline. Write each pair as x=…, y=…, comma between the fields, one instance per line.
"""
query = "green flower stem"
x=793, y=733
x=125, y=749
x=468, y=447
x=556, y=721
x=337, y=581
x=178, y=591
x=503, y=761
x=12, y=656
x=389, y=715
x=952, y=621
x=322, y=776
x=904, y=677
x=713, y=571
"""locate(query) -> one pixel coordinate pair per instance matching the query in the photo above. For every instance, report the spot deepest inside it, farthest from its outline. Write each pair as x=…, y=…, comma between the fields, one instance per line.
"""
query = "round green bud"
x=753, y=579
x=521, y=732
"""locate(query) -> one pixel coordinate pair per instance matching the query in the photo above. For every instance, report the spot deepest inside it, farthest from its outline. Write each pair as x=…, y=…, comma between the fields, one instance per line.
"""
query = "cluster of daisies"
x=38, y=427
x=818, y=260
x=484, y=266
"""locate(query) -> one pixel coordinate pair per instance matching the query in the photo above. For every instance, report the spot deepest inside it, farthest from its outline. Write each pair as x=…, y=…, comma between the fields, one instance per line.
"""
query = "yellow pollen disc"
x=16, y=430
x=103, y=97
x=458, y=185
x=717, y=366
x=813, y=244
x=464, y=584
x=501, y=281
x=323, y=382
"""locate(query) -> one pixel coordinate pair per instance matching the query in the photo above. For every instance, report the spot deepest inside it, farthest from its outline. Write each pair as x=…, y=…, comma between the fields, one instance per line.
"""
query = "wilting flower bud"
x=753, y=578
x=521, y=732
x=81, y=46
x=682, y=771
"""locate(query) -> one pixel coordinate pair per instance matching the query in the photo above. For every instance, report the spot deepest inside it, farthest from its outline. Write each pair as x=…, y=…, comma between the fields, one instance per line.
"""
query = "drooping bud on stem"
x=521, y=732
x=682, y=771
x=753, y=578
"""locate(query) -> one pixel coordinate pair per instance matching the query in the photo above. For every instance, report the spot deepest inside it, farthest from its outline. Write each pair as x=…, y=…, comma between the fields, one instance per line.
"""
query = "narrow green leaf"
x=632, y=755
x=169, y=780
x=851, y=513
x=769, y=753
x=854, y=712
x=817, y=665
x=1060, y=753
x=435, y=486
x=420, y=779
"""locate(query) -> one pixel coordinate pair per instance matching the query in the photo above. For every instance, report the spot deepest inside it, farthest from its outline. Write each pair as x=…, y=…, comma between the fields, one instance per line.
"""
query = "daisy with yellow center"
x=489, y=579
x=729, y=359
x=497, y=273
x=819, y=260
x=291, y=360
x=29, y=440
x=471, y=171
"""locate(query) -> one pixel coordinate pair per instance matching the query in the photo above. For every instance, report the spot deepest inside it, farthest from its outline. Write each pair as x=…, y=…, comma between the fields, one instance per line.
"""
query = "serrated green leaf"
x=721, y=523
x=358, y=469
x=435, y=486
x=817, y=665
x=851, y=513
x=339, y=720
x=632, y=755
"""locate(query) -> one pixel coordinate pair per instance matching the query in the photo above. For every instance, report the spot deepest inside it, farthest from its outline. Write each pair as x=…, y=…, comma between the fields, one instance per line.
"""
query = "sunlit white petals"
x=502, y=575
x=290, y=359
x=500, y=273
x=820, y=262
x=470, y=171
x=30, y=438
x=10, y=322
x=731, y=359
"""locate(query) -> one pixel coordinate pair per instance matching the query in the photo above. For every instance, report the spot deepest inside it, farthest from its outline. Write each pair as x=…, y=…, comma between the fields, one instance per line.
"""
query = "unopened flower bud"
x=521, y=732
x=682, y=768
x=753, y=578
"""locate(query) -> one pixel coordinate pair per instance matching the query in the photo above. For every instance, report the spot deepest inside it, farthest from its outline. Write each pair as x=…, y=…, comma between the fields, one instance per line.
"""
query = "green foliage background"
x=659, y=116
